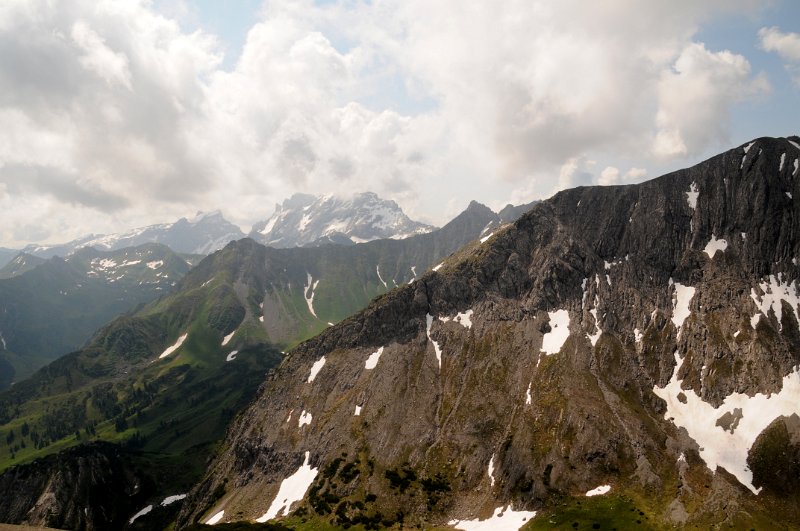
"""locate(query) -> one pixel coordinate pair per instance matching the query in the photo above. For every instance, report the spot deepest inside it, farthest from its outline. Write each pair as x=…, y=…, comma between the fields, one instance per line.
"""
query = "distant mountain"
x=169, y=377
x=203, y=234
x=308, y=220
x=55, y=306
x=22, y=263
x=6, y=255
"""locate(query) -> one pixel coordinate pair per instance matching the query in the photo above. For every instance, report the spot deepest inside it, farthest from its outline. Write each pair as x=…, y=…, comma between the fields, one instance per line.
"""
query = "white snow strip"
x=462, y=318
x=169, y=500
x=783, y=161
x=436, y=349
x=608, y=280
x=796, y=166
x=744, y=236
x=502, y=520
x=594, y=337
x=718, y=446
x=748, y=146
x=311, y=286
x=736, y=334
x=292, y=490
x=358, y=411
x=261, y=318
x=773, y=292
x=3, y=340
x=315, y=369
x=227, y=338
x=553, y=340
x=715, y=245
x=788, y=194
x=155, y=264
x=485, y=238
x=130, y=263
x=491, y=470
x=414, y=271
x=754, y=321
x=438, y=267
x=795, y=144
x=637, y=335
x=528, y=395
x=232, y=355
x=140, y=513
x=680, y=303
x=207, y=282
x=372, y=361
x=602, y=489
x=174, y=347
x=378, y=270
x=216, y=518
x=691, y=195
x=305, y=418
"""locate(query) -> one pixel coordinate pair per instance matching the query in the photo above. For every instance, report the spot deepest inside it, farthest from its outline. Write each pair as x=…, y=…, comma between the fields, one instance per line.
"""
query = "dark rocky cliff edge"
x=663, y=318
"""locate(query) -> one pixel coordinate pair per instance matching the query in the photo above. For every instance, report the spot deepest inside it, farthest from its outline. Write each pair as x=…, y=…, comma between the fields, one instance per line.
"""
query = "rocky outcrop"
x=88, y=487
x=639, y=338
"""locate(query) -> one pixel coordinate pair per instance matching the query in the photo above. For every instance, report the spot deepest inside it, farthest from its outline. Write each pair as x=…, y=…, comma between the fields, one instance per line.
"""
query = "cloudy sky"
x=122, y=113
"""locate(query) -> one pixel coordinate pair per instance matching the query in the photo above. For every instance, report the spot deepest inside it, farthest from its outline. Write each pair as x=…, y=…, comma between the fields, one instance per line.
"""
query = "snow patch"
x=372, y=361
x=796, y=166
x=637, y=335
x=462, y=318
x=783, y=161
x=169, y=500
x=486, y=238
x=602, y=489
x=305, y=418
x=315, y=369
x=308, y=293
x=715, y=245
x=553, y=340
x=691, y=195
x=491, y=470
x=174, y=347
x=232, y=355
x=748, y=146
x=436, y=349
x=788, y=194
x=795, y=144
x=773, y=292
x=680, y=303
x=718, y=446
x=358, y=411
x=594, y=337
x=528, y=395
x=503, y=519
x=438, y=266
x=227, y=338
x=292, y=490
x=216, y=518
x=140, y=513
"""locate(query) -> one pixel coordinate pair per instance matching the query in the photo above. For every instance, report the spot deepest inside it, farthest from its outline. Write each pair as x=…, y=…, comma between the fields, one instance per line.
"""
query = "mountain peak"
x=304, y=219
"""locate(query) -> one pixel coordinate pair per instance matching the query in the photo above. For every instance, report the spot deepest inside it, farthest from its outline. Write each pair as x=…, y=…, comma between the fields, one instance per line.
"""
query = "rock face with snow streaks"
x=625, y=265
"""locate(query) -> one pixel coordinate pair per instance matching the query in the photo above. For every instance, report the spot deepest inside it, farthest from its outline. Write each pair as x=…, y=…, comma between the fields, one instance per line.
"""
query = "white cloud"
x=609, y=176
x=695, y=97
x=115, y=116
x=786, y=45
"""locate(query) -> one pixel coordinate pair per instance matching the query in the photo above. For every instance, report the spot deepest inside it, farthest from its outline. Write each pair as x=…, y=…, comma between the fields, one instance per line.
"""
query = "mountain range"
x=167, y=379
x=51, y=307
x=617, y=357
x=300, y=221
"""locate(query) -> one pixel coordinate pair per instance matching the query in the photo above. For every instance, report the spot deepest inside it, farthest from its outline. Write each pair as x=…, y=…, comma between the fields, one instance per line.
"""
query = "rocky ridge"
x=634, y=342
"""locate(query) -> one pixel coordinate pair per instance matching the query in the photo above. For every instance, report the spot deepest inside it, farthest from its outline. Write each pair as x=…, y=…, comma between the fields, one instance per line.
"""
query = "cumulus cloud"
x=112, y=108
x=786, y=45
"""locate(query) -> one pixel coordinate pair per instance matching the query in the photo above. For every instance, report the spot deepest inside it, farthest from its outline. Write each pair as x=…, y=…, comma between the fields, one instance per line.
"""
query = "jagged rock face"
x=307, y=220
x=89, y=487
x=642, y=337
